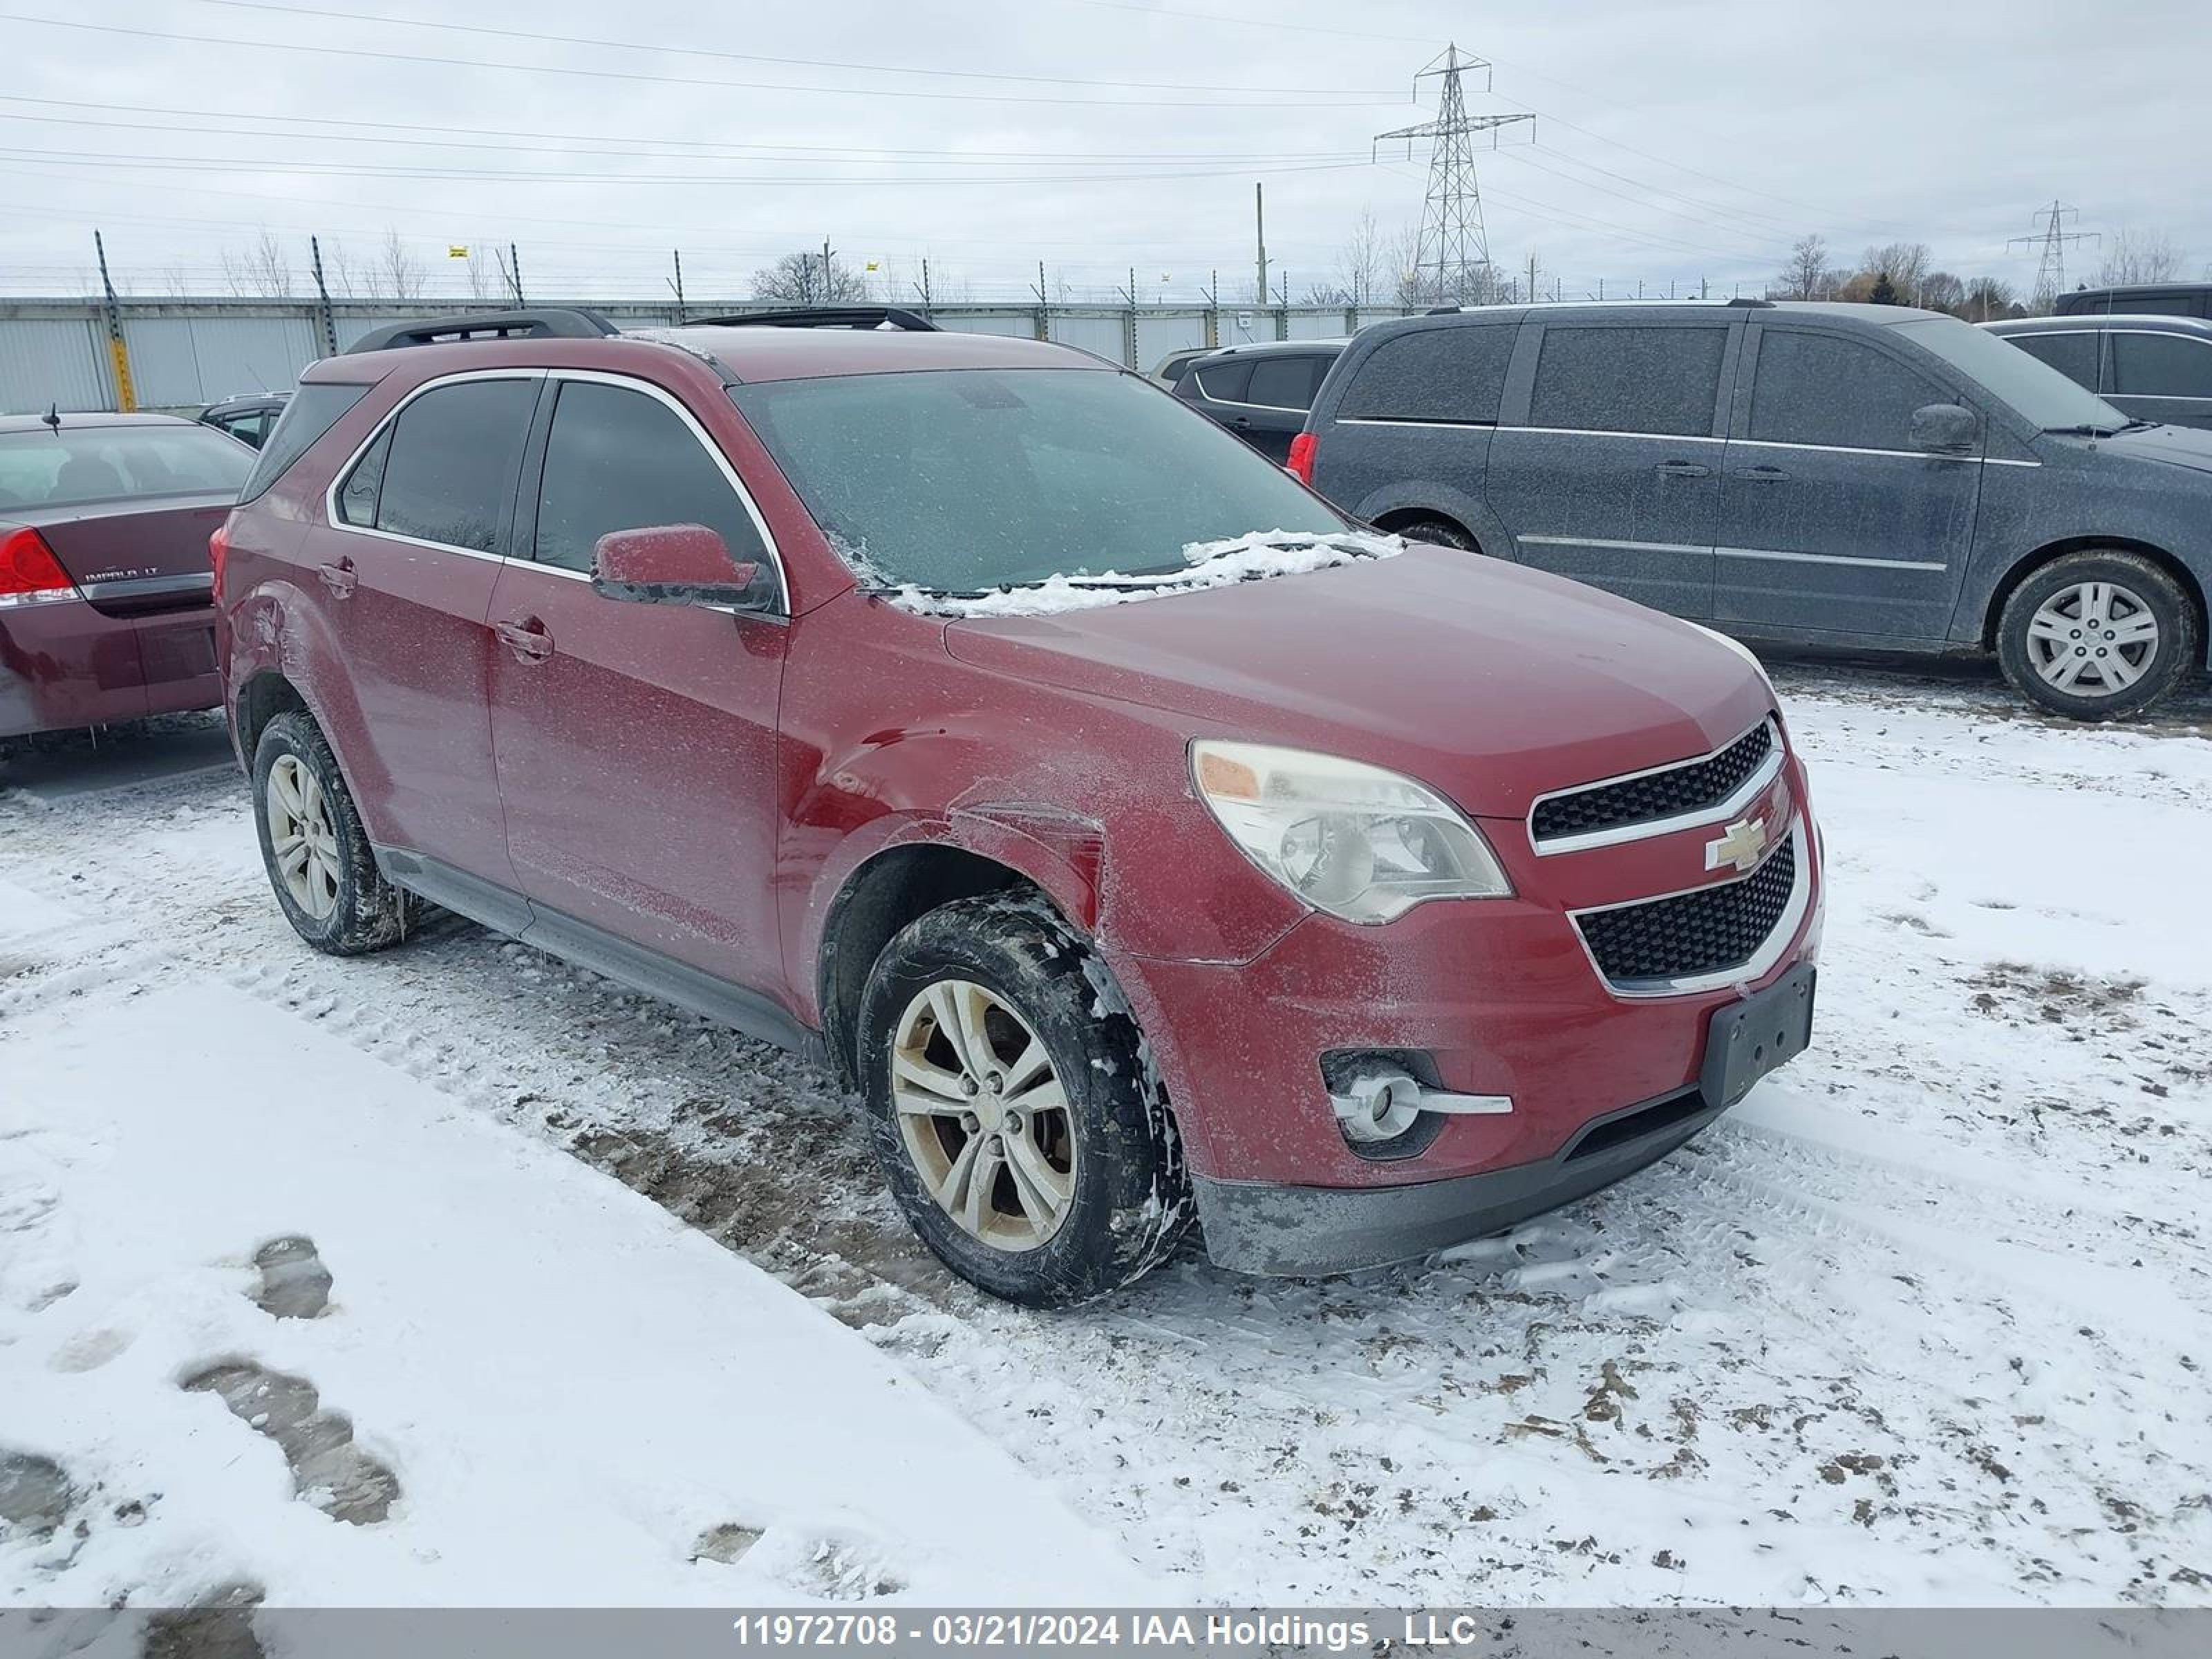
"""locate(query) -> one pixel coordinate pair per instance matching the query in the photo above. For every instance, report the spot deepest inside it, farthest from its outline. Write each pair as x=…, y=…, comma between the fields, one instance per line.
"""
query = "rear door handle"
x=1684, y=470
x=527, y=639
x=339, y=578
x=1762, y=474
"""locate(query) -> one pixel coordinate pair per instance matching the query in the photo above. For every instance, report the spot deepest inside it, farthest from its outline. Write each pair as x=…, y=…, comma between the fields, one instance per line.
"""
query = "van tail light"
x=29, y=571
x=218, y=555
x=1301, y=463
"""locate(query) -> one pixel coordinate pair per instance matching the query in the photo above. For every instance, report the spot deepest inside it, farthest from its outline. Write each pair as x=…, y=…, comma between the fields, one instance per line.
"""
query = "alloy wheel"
x=983, y=1114
x=2093, y=639
x=301, y=838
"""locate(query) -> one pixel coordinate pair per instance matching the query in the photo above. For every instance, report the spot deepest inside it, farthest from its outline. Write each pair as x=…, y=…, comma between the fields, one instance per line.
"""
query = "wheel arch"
x=2191, y=589
x=1402, y=518
x=267, y=693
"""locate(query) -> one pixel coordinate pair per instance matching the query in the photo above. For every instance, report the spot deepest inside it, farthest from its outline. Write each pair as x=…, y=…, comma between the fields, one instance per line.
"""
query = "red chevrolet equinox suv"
x=1142, y=840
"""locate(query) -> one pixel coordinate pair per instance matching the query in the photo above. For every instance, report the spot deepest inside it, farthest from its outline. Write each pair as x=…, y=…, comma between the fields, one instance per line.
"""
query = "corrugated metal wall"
x=186, y=353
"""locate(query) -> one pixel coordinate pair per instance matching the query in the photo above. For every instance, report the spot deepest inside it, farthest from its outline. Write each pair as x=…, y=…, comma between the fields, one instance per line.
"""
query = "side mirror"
x=673, y=564
x=1944, y=428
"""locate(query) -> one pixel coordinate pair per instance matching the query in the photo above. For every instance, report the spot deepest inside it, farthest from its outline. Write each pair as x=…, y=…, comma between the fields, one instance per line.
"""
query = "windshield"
x=963, y=481
x=2031, y=387
x=78, y=465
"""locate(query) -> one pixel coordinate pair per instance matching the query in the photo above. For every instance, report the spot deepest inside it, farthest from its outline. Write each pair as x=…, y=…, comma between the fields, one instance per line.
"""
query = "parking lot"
x=1926, y=1319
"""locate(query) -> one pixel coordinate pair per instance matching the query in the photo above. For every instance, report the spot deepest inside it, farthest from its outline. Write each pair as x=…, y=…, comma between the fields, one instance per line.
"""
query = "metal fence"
x=184, y=353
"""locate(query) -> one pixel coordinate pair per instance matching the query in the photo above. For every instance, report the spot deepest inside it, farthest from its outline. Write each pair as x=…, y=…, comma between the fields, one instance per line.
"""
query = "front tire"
x=317, y=852
x=2097, y=635
x=1440, y=532
x=1016, y=1120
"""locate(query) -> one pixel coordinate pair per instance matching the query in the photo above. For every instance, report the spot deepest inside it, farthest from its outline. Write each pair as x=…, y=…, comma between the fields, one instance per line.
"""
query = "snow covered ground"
x=1927, y=1320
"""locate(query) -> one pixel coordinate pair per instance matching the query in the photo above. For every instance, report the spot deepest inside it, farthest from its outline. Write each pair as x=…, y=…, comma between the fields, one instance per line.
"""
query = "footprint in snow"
x=328, y=1470
x=294, y=1284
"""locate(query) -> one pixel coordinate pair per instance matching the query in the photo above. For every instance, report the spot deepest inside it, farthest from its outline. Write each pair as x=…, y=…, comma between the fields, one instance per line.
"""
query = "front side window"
x=964, y=481
x=1810, y=388
x=82, y=464
x=619, y=459
x=1664, y=381
x=2072, y=354
x=449, y=474
x=2161, y=366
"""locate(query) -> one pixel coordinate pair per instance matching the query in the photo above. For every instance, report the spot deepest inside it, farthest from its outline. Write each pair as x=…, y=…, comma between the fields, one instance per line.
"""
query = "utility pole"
x=1532, y=276
x=826, y=294
x=2051, y=242
x=126, y=395
x=1259, y=233
x=677, y=255
x=323, y=298
x=1454, y=246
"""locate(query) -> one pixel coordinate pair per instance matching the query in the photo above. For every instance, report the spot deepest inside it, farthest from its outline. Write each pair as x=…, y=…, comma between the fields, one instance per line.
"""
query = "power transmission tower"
x=1451, y=263
x=2051, y=239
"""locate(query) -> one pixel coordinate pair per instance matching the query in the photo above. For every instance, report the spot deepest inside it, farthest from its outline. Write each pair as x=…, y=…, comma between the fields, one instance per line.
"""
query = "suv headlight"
x=1353, y=840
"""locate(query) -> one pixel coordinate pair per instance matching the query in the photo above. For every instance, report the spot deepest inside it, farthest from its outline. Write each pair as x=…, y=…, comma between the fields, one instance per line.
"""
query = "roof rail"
x=823, y=316
x=546, y=322
x=1750, y=305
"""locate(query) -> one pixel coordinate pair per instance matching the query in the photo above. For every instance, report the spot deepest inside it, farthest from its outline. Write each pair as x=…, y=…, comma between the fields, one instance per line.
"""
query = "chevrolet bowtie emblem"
x=1740, y=846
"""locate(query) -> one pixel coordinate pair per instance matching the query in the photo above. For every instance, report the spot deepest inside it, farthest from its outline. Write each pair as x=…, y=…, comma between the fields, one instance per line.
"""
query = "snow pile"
x=276, y=1321
x=1209, y=564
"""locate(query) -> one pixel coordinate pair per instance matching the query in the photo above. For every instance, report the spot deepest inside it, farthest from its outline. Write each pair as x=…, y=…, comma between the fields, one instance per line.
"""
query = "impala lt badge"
x=1745, y=839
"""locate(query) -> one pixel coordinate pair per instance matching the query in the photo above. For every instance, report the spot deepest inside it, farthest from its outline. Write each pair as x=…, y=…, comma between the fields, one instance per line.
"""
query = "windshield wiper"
x=2085, y=429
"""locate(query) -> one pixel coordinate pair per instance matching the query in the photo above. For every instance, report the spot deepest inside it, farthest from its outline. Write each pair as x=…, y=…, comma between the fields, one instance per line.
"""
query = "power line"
x=1210, y=102
x=386, y=19
x=1452, y=236
x=2050, y=244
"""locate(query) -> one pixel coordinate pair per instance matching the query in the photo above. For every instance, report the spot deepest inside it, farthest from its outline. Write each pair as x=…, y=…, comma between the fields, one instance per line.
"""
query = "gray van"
x=1871, y=476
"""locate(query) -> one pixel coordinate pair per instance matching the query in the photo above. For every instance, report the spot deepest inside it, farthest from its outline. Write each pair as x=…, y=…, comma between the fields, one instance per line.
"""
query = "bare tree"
x=1409, y=288
x=1906, y=263
x=2139, y=256
x=1989, y=297
x=1941, y=291
x=1807, y=276
x=264, y=271
x=398, y=273
x=1361, y=263
x=339, y=275
x=483, y=282
x=808, y=278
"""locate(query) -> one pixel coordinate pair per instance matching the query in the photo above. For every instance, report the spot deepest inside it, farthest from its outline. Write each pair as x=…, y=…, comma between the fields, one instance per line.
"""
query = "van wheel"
x=1017, y=1121
x=1441, y=533
x=2097, y=635
x=311, y=840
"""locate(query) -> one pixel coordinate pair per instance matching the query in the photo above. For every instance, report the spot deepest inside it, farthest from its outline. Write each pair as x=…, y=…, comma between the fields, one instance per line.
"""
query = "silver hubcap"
x=2094, y=639
x=982, y=1114
x=300, y=838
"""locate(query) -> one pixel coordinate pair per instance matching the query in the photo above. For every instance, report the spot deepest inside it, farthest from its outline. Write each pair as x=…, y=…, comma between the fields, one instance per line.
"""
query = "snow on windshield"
x=1246, y=558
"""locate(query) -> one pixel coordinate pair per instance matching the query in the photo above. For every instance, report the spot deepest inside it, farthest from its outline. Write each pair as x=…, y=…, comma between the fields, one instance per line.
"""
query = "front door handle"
x=339, y=578
x=1762, y=474
x=526, y=638
x=1684, y=470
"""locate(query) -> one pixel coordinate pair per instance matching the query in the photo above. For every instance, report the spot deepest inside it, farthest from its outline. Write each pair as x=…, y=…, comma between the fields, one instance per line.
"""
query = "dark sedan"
x=2155, y=369
x=105, y=613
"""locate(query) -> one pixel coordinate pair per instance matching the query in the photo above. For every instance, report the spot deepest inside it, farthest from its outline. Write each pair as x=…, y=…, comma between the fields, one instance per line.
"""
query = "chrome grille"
x=1675, y=792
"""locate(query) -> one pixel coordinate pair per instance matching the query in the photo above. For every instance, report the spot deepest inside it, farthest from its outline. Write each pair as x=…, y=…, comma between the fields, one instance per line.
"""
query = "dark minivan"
x=1260, y=392
x=2139, y=299
x=2152, y=368
x=1871, y=476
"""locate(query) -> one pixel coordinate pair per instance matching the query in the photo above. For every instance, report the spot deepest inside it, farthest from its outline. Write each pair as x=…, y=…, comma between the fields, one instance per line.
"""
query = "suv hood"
x=1489, y=682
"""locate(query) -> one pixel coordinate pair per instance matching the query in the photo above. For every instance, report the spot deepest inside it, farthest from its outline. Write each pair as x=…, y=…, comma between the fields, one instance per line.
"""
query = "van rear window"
x=310, y=411
x=1452, y=374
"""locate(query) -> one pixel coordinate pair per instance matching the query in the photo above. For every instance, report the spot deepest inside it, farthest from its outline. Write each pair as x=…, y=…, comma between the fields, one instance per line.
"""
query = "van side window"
x=1285, y=382
x=454, y=451
x=1822, y=389
x=2073, y=353
x=1659, y=380
x=2161, y=365
x=618, y=459
x=1452, y=375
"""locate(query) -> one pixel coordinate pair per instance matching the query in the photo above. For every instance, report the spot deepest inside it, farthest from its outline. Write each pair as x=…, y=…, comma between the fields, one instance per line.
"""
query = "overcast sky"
x=1673, y=142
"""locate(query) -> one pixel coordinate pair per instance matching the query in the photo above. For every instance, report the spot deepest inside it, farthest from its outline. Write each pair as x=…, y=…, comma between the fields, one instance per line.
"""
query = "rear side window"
x=448, y=473
x=617, y=460
x=1446, y=375
x=2161, y=365
x=1285, y=382
x=1824, y=389
x=2072, y=355
x=1660, y=380
x=310, y=411
x=1224, y=383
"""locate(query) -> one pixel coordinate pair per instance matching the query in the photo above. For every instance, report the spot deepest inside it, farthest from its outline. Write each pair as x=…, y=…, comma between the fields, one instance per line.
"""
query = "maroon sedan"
x=103, y=579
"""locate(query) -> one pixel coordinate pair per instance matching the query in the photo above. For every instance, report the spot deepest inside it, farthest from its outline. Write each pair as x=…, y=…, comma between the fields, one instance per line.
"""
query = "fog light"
x=1379, y=1100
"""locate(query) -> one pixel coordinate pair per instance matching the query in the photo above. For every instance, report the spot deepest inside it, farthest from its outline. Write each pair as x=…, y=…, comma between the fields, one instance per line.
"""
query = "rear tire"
x=2098, y=636
x=1023, y=1134
x=1440, y=532
x=316, y=851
